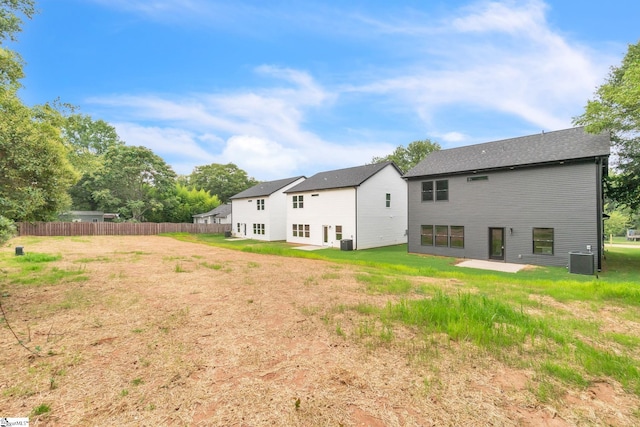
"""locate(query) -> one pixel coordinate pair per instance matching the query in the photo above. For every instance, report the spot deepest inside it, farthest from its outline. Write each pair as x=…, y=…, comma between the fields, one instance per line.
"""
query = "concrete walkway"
x=309, y=248
x=492, y=265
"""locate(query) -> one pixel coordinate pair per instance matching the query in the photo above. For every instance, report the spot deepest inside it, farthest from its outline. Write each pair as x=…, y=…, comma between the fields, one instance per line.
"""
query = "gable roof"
x=340, y=178
x=221, y=211
x=545, y=147
x=266, y=188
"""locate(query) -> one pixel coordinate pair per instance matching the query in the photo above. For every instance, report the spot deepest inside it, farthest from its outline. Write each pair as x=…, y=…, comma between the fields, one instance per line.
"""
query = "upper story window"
x=388, y=200
x=260, y=204
x=442, y=190
x=427, y=191
x=298, y=202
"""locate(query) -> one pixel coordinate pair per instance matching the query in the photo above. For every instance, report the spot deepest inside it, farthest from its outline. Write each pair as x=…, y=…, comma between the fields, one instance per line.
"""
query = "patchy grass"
x=495, y=316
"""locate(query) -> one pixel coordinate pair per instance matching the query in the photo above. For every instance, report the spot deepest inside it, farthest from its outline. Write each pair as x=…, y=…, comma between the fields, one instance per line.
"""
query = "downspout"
x=600, y=209
x=355, y=244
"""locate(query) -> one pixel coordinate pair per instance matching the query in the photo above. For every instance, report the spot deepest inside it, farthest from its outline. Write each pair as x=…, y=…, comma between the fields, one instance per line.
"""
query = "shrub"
x=7, y=229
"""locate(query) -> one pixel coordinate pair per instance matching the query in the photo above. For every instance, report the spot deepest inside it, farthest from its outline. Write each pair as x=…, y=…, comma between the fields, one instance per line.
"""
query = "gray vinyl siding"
x=562, y=197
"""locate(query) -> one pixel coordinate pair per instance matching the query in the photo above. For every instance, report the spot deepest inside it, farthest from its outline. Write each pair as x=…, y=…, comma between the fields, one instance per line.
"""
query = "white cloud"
x=495, y=56
x=500, y=58
x=260, y=130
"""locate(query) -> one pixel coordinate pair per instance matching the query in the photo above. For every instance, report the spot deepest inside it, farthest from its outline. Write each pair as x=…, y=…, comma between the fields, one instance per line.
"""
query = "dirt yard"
x=168, y=333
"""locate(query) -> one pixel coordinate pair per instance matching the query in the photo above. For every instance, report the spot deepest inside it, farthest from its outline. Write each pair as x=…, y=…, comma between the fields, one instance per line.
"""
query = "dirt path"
x=171, y=333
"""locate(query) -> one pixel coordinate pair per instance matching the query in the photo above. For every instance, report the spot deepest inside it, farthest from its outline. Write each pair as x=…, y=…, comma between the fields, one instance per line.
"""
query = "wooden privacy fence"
x=115, y=228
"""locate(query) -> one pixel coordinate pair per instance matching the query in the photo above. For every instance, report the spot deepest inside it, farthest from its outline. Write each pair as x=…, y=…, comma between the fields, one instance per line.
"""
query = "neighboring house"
x=219, y=215
x=83, y=216
x=365, y=204
x=260, y=211
x=88, y=216
x=528, y=200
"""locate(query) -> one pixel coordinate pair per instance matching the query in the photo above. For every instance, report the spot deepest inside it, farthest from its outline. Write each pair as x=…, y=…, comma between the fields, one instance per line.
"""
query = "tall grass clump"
x=467, y=317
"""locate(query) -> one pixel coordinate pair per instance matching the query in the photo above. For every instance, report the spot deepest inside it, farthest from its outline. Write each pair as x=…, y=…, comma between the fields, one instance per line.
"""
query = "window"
x=300, y=230
x=426, y=235
x=388, y=200
x=457, y=236
x=427, y=191
x=442, y=190
x=477, y=178
x=238, y=227
x=442, y=235
x=298, y=202
x=258, y=228
x=338, y=232
x=543, y=241
x=260, y=204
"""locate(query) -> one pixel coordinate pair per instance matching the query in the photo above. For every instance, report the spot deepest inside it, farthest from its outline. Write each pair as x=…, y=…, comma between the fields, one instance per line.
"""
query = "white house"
x=366, y=205
x=219, y=215
x=260, y=211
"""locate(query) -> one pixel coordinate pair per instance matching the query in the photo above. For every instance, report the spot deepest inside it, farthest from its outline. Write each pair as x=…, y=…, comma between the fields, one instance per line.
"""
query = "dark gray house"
x=527, y=200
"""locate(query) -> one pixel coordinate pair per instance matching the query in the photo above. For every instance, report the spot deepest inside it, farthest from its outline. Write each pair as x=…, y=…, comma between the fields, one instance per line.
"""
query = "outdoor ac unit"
x=581, y=263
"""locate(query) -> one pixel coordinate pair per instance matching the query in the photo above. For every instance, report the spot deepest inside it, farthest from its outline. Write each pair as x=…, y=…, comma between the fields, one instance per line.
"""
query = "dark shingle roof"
x=340, y=178
x=265, y=188
x=562, y=145
x=221, y=211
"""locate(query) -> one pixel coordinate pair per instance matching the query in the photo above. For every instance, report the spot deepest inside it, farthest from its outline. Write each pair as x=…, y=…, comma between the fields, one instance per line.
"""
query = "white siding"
x=361, y=212
x=377, y=224
x=323, y=208
x=245, y=212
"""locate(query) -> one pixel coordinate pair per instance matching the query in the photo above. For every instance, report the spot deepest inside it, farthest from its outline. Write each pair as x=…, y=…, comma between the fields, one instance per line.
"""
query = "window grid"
x=260, y=204
x=442, y=190
x=426, y=235
x=388, y=200
x=543, y=241
x=301, y=230
x=427, y=191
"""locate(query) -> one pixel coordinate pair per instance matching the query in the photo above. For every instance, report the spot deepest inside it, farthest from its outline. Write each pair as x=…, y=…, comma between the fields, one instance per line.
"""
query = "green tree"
x=87, y=140
x=616, y=108
x=183, y=203
x=407, y=158
x=220, y=180
x=132, y=181
x=34, y=171
x=617, y=223
x=10, y=23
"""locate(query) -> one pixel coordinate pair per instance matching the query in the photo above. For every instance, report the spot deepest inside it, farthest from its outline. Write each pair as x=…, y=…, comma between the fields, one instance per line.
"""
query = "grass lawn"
x=526, y=318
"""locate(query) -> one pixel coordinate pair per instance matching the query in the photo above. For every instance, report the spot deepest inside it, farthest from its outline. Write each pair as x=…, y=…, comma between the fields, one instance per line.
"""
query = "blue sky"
x=285, y=88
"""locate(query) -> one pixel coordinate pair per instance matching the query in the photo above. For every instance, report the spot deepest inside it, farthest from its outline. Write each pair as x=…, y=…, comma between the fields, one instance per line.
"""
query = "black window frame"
x=454, y=238
x=439, y=235
x=423, y=238
x=428, y=192
x=541, y=242
x=442, y=190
